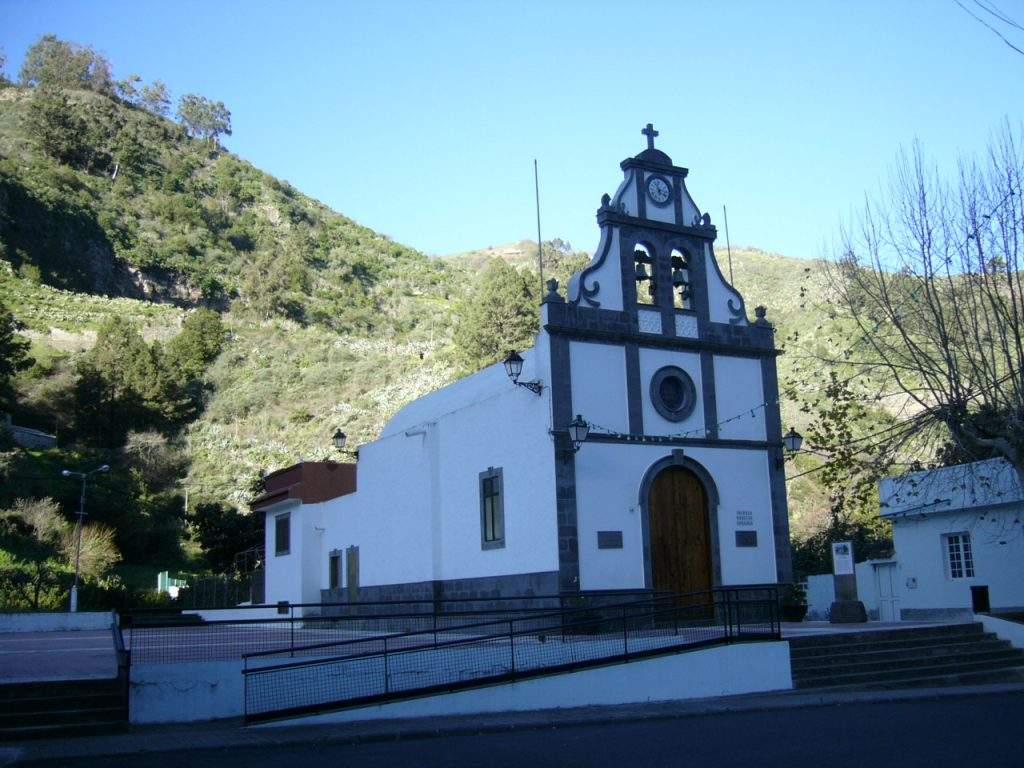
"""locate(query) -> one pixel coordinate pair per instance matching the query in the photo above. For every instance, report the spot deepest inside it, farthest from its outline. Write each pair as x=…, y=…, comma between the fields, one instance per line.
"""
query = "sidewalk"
x=231, y=733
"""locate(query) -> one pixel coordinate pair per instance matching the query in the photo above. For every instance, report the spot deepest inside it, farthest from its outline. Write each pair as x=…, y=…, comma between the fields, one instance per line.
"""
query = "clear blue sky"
x=422, y=119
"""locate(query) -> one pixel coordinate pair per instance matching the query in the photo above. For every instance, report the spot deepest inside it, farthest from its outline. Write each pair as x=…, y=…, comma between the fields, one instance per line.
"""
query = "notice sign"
x=842, y=558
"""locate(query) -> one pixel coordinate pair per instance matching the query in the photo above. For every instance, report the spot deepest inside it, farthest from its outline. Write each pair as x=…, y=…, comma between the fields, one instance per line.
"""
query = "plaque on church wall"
x=744, y=518
x=746, y=538
x=609, y=539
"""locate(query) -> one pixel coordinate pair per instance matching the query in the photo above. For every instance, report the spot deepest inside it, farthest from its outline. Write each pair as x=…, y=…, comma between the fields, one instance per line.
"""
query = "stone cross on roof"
x=650, y=133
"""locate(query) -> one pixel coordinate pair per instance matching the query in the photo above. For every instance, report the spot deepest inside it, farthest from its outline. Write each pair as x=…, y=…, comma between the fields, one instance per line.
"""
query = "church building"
x=636, y=445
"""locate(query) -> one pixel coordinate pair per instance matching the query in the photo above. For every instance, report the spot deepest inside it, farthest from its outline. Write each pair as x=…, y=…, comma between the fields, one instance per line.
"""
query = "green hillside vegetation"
x=195, y=322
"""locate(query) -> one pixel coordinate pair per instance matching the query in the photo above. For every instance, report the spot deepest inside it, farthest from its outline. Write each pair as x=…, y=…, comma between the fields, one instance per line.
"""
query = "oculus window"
x=959, y=556
x=492, y=509
x=673, y=393
x=282, y=534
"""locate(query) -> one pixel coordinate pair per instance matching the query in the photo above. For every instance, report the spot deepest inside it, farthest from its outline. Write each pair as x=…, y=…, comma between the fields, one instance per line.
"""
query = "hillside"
x=330, y=324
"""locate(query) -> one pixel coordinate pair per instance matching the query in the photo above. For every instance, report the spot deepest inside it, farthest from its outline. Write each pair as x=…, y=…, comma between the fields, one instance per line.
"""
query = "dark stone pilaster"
x=634, y=393
x=707, y=388
x=776, y=471
x=565, y=467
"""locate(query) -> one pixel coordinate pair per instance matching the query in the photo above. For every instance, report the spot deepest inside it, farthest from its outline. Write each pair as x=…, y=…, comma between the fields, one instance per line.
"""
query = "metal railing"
x=359, y=671
x=158, y=636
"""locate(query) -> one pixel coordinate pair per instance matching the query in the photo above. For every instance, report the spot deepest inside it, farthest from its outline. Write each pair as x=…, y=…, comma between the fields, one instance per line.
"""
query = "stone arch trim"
x=680, y=459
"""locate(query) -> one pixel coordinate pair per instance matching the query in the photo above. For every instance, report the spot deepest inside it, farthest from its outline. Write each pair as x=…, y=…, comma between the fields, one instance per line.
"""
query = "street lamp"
x=340, y=439
x=514, y=368
x=579, y=429
x=792, y=440
x=78, y=527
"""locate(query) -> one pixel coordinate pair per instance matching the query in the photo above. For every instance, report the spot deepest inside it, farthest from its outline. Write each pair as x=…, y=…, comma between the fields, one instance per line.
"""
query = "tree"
x=3, y=66
x=13, y=356
x=204, y=118
x=57, y=126
x=55, y=62
x=155, y=98
x=930, y=282
x=198, y=344
x=499, y=314
x=223, y=532
x=127, y=90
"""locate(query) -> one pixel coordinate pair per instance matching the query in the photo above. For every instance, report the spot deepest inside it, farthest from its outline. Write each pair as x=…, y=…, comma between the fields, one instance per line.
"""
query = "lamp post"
x=514, y=368
x=78, y=527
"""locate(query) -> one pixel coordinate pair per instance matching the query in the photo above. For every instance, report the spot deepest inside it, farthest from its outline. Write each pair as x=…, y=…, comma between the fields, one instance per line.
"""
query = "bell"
x=678, y=278
x=641, y=271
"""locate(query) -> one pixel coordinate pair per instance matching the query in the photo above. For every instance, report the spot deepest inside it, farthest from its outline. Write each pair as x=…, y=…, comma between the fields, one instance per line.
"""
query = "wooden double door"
x=680, y=532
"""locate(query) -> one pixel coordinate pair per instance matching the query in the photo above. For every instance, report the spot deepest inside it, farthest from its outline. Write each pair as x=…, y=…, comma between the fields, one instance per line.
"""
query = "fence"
x=364, y=670
x=159, y=635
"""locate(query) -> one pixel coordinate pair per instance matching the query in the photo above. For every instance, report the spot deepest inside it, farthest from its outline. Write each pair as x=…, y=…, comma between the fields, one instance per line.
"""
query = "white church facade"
x=478, y=490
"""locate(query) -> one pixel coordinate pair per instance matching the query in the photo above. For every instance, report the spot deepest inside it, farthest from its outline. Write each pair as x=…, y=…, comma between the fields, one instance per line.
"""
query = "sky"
x=422, y=119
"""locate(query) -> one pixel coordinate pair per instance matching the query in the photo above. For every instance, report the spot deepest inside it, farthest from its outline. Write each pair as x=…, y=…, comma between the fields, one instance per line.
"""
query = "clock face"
x=659, y=190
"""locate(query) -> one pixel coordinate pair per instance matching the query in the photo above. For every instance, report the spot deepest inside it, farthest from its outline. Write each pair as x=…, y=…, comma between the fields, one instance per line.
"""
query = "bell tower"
x=654, y=347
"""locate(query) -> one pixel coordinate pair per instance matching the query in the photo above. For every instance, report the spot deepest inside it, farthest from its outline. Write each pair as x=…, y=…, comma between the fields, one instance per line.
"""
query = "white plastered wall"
x=599, y=384
x=739, y=393
x=720, y=293
x=608, y=479
x=654, y=423
x=416, y=514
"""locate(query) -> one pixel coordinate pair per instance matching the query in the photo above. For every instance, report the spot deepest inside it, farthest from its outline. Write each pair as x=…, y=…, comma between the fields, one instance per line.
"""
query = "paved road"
x=977, y=731
x=56, y=655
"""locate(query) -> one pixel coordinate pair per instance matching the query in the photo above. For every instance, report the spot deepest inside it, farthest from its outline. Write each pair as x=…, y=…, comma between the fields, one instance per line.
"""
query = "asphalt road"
x=975, y=731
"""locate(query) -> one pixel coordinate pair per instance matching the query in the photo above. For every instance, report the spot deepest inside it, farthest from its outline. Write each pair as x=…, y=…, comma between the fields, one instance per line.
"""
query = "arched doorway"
x=679, y=532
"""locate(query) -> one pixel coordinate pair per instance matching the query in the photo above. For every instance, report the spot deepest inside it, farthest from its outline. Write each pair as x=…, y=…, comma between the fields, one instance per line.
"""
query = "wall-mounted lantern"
x=514, y=368
x=340, y=439
x=792, y=440
x=579, y=430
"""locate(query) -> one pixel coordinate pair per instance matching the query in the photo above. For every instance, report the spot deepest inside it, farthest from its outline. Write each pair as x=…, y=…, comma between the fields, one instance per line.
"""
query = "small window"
x=959, y=556
x=673, y=393
x=334, y=570
x=282, y=534
x=645, y=275
x=492, y=510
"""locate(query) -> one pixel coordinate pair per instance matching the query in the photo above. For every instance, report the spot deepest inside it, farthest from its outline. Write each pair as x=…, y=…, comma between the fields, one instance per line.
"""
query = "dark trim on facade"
x=682, y=343
x=679, y=459
x=588, y=294
x=565, y=467
x=709, y=394
x=677, y=194
x=776, y=471
x=694, y=442
x=634, y=393
x=641, y=193
x=610, y=216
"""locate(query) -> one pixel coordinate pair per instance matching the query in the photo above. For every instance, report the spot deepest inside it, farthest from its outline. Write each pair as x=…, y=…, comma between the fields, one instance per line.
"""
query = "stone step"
x=49, y=731
x=898, y=654
x=50, y=703
x=885, y=635
x=802, y=652
x=57, y=717
x=49, y=688
x=954, y=661
x=996, y=676
x=910, y=673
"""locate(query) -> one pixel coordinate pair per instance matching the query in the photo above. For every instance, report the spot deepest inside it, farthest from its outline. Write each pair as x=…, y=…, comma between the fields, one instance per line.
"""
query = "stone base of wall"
x=482, y=591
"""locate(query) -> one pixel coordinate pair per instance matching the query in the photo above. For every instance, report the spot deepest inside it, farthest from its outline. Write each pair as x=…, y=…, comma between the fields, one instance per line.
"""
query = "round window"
x=673, y=393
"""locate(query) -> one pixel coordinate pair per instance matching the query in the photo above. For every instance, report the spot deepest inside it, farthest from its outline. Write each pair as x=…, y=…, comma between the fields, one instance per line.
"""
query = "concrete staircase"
x=956, y=654
x=61, y=708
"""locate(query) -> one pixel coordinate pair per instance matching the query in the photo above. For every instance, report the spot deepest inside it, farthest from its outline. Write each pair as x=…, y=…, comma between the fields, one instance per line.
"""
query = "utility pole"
x=78, y=527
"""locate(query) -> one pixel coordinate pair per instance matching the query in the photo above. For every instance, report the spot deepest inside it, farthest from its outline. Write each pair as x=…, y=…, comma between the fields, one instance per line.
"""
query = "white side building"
x=475, y=490
x=959, y=540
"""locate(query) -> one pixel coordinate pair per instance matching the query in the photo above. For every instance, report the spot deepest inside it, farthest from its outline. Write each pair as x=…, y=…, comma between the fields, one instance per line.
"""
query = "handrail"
x=450, y=643
x=433, y=631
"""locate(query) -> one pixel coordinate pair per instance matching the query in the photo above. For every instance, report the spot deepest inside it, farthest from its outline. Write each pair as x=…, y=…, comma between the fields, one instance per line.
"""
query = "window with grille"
x=960, y=557
x=492, y=510
x=282, y=534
